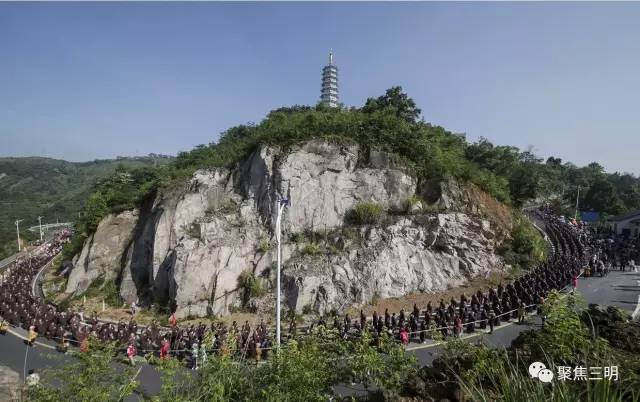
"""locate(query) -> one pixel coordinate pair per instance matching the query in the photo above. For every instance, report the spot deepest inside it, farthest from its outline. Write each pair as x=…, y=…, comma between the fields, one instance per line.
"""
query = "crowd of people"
x=612, y=251
x=20, y=307
x=485, y=310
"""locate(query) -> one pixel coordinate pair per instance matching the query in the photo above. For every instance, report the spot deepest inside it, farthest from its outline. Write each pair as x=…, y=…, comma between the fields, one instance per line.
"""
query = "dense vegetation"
x=391, y=123
x=54, y=189
x=531, y=177
x=526, y=247
x=571, y=337
x=306, y=369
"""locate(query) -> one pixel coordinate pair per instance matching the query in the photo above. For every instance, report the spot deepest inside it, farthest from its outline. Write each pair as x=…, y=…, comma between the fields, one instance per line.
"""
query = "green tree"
x=88, y=377
x=95, y=210
x=298, y=372
x=394, y=101
x=602, y=196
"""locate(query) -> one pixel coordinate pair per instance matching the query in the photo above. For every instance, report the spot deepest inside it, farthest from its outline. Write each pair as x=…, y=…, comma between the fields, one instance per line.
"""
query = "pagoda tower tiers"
x=329, y=93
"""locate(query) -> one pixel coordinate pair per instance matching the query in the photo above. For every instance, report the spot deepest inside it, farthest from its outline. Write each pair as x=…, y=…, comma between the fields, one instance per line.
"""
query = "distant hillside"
x=53, y=189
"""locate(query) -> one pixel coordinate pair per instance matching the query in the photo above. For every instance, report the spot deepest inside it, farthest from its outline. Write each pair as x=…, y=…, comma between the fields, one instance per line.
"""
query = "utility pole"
x=575, y=216
x=281, y=204
x=18, y=232
x=40, y=225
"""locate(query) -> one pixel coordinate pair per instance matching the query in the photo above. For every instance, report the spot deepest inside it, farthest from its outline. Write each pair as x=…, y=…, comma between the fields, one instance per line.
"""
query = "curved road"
x=620, y=289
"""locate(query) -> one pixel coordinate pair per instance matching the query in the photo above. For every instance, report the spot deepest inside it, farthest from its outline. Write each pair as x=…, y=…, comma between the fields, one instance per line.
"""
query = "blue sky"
x=96, y=80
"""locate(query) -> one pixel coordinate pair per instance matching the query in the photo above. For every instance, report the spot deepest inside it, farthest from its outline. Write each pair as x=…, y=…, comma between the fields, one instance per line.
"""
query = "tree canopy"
x=396, y=102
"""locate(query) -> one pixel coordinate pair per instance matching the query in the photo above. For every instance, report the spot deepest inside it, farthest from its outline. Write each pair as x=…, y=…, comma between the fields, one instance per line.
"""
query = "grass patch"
x=311, y=249
x=365, y=213
x=106, y=290
x=264, y=246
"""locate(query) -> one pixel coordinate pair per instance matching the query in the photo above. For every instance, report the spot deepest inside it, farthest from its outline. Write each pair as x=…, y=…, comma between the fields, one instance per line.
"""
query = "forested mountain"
x=54, y=189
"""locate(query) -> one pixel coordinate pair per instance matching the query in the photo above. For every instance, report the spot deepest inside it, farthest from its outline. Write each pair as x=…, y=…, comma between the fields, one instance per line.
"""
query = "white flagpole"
x=281, y=205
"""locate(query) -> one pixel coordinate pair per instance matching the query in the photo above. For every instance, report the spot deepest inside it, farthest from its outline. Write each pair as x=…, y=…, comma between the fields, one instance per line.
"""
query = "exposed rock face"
x=322, y=182
x=418, y=253
x=191, y=248
x=102, y=253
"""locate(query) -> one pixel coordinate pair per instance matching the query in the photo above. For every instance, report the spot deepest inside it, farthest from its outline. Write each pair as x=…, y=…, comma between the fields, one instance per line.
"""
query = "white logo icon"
x=535, y=367
x=540, y=371
x=545, y=375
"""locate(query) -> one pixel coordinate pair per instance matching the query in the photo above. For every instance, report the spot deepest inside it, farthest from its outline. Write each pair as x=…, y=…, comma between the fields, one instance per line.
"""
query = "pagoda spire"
x=329, y=92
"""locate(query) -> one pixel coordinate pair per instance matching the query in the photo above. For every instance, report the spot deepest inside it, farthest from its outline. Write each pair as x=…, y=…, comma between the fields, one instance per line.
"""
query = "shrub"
x=365, y=213
x=527, y=247
x=413, y=201
x=296, y=237
x=310, y=249
x=250, y=285
x=264, y=246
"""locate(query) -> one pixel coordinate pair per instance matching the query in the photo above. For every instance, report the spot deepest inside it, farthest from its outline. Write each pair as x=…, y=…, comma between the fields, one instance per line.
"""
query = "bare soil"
x=395, y=304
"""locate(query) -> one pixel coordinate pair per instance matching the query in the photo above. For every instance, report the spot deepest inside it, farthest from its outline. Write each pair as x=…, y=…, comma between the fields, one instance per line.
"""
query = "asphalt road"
x=617, y=289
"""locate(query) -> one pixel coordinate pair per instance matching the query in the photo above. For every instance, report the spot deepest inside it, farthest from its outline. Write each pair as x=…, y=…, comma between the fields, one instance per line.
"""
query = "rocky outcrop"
x=322, y=182
x=101, y=256
x=416, y=253
x=191, y=248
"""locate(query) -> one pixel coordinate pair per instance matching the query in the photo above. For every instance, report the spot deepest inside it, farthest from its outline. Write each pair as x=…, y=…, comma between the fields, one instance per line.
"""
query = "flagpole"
x=281, y=205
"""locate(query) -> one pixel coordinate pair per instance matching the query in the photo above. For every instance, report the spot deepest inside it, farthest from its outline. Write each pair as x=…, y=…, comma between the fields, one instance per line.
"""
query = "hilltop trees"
x=388, y=123
x=396, y=102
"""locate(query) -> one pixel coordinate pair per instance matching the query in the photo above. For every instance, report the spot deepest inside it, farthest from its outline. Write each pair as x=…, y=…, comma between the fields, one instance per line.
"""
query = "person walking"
x=543, y=315
x=521, y=313
x=202, y=355
x=492, y=319
x=258, y=352
x=194, y=355
x=404, y=336
x=33, y=335
x=164, y=349
x=131, y=353
x=84, y=345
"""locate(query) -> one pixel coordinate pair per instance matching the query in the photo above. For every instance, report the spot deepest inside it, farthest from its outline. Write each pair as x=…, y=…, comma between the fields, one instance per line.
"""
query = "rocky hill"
x=209, y=248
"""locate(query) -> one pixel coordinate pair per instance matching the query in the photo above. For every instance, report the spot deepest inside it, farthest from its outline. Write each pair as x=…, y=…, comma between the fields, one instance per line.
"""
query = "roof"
x=625, y=216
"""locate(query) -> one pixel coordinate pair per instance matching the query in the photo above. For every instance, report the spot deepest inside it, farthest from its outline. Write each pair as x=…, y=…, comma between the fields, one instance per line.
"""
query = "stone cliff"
x=194, y=248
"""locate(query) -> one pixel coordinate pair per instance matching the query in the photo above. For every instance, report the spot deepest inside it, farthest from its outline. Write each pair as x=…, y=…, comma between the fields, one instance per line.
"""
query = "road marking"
x=475, y=334
x=26, y=339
